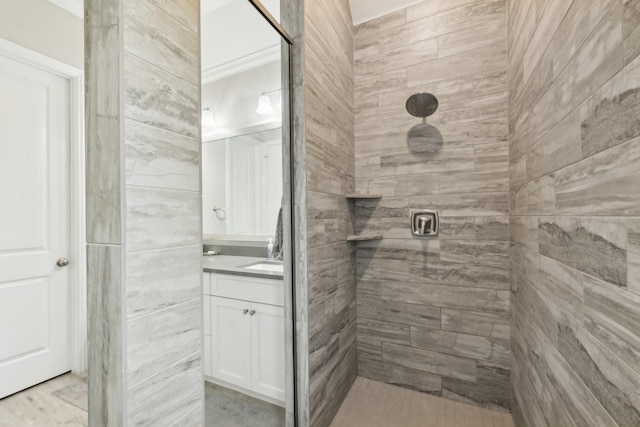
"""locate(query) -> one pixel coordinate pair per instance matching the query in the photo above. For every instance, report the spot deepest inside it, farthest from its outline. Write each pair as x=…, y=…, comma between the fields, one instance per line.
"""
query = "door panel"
x=34, y=225
x=267, y=335
x=230, y=341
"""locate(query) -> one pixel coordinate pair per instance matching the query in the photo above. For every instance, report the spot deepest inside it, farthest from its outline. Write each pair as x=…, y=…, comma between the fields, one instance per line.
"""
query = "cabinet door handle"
x=252, y=312
x=245, y=311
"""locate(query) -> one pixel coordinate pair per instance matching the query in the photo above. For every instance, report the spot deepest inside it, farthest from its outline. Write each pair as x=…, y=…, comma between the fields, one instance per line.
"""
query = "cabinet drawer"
x=265, y=291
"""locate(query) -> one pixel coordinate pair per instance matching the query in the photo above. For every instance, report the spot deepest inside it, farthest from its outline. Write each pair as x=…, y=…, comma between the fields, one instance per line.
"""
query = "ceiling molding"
x=366, y=10
x=244, y=63
x=75, y=7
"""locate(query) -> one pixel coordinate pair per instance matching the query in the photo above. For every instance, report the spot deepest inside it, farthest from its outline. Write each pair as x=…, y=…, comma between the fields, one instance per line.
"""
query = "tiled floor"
x=374, y=404
x=58, y=402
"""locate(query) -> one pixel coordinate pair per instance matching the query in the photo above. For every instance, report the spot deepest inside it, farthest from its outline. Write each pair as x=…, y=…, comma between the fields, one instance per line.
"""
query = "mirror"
x=242, y=122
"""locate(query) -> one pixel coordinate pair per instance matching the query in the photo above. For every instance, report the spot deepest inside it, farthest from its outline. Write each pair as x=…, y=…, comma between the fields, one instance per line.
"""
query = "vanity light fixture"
x=265, y=107
x=208, y=121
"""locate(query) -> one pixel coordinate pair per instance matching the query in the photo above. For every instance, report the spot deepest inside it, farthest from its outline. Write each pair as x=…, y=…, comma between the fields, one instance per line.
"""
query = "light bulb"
x=208, y=122
x=264, y=106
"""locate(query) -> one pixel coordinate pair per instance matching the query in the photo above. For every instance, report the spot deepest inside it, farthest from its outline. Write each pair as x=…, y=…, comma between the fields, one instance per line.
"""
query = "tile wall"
x=330, y=175
x=144, y=216
x=574, y=121
x=433, y=313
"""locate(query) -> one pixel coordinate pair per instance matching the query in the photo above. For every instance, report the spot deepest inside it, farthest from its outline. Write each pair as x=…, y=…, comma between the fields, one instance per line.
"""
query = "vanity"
x=244, y=325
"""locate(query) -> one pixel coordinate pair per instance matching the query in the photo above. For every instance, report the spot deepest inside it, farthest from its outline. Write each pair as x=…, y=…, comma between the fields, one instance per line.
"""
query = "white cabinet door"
x=207, y=355
x=34, y=225
x=231, y=341
x=267, y=350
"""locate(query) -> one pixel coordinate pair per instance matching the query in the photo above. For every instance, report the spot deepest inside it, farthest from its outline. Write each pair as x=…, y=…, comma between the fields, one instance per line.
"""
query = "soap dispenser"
x=270, y=249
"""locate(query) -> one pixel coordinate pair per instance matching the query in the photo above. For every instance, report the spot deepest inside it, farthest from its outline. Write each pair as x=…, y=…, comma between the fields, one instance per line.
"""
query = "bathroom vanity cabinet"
x=244, y=336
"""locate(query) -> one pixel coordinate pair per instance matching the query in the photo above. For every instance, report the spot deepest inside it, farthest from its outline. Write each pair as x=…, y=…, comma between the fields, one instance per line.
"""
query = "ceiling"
x=361, y=10
x=365, y=10
x=76, y=6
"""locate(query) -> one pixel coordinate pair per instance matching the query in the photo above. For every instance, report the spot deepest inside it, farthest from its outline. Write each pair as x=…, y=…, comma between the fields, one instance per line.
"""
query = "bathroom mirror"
x=242, y=101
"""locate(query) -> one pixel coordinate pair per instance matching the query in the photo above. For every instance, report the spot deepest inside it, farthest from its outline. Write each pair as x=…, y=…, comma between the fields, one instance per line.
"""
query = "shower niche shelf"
x=355, y=196
x=363, y=238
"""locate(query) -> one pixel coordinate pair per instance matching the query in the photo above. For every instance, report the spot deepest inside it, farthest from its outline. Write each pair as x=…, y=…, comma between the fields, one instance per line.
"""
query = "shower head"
x=422, y=105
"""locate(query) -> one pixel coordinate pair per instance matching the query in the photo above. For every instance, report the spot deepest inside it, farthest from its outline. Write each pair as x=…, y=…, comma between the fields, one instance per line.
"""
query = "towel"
x=278, y=248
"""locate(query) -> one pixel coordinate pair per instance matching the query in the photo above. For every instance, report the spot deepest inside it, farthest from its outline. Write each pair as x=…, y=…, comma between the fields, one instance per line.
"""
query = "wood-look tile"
x=158, y=158
x=484, y=59
x=162, y=339
x=162, y=41
x=159, y=219
x=460, y=274
x=552, y=17
x=158, y=98
x=486, y=30
x=466, y=391
x=595, y=63
x=426, y=8
x=561, y=285
x=524, y=231
x=476, y=323
x=610, y=380
x=631, y=26
x=610, y=116
x=558, y=148
x=595, y=246
x=611, y=317
x=185, y=11
x=105, y=335
x=403, y=185
x=483, y=252
x=633, y=256
x=148, y=405
x=472, y=346
x=537, y=197
x=429, y=361
x=605, y=184
x=473, y=204
x=372, y=307
x=154, y=284
x=383, y=331
x=103, y=126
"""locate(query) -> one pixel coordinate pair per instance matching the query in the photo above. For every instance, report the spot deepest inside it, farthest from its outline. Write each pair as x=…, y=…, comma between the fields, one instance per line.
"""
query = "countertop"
x=227, y=264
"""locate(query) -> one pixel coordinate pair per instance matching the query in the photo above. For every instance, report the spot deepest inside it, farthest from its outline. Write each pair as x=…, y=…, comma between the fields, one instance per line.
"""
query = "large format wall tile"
x=573, y=120
x=330, y=175
x=143, y=171
x=451, y=293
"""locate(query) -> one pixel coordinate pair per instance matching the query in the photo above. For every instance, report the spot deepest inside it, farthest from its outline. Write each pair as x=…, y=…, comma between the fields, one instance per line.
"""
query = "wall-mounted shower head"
x=422, y=105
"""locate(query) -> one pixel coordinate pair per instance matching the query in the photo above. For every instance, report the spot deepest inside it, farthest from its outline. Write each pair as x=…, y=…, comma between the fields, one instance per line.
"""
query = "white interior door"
x=34, y=225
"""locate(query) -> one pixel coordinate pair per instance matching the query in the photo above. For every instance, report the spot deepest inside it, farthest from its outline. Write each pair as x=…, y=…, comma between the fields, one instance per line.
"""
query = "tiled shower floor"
x=374, y=404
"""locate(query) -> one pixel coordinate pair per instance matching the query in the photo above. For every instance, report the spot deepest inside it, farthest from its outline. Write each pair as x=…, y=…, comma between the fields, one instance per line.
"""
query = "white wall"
x=234, y=100
x=236, y=31
x=45, y=28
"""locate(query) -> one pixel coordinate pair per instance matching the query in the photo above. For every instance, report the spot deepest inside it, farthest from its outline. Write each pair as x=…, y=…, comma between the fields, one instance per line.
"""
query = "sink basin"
x=272, y=267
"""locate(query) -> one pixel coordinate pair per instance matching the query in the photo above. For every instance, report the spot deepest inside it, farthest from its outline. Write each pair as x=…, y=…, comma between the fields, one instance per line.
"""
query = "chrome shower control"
x=424, y=223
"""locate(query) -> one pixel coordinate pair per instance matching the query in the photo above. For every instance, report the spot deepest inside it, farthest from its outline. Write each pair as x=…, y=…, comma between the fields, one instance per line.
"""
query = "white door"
x=34, y=226
x=267, y=348
x=230, y=341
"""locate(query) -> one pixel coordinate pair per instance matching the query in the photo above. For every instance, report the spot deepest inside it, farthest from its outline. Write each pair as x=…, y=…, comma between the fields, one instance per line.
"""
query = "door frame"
x=78, y=302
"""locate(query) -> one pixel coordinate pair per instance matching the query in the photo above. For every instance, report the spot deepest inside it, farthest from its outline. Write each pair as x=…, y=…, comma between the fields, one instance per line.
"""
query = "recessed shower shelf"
x=364, y=238
x=355, y=196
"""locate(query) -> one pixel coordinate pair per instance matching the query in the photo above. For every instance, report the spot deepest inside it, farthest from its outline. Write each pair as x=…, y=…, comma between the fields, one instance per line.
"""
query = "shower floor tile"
x=375, y=404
